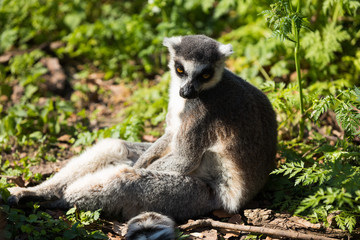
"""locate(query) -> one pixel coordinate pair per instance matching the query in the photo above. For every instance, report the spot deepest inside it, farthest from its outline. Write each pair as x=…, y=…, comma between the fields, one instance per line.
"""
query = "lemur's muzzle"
x=188, y=91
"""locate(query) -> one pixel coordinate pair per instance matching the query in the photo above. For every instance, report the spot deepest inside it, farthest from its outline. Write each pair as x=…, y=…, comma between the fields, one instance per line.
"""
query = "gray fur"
x=151, y=226
x=198, y=48
x=217, y=151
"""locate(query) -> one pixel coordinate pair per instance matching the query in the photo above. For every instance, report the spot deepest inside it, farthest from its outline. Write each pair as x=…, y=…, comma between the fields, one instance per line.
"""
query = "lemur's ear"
x=226, y=50
x=171, y=42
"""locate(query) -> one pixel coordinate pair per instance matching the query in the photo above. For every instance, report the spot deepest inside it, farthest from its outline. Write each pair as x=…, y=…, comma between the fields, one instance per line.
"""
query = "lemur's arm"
x=157, y=150
x=189, y=146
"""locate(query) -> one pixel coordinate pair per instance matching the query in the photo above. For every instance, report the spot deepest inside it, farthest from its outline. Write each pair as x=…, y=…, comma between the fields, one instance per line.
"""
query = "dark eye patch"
x=179, y=68
x=206, y=74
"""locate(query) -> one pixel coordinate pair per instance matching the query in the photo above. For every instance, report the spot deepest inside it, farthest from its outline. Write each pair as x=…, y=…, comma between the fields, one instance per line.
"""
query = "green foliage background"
x=123, y=40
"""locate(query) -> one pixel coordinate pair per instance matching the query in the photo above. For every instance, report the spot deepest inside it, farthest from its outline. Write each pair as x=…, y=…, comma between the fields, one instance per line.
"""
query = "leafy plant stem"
x=336, y=12
x=296, y=30
x=298, y=6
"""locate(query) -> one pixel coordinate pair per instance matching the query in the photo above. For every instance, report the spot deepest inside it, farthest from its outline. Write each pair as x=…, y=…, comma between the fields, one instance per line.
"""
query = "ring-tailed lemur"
x=217, y=151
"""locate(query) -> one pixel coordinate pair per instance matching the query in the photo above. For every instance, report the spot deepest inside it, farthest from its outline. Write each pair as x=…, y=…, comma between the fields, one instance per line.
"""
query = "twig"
x=9, y=177
x=253, y=229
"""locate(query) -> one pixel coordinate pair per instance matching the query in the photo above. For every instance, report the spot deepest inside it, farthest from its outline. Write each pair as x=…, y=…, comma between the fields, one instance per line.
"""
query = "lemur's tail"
x=150, y=226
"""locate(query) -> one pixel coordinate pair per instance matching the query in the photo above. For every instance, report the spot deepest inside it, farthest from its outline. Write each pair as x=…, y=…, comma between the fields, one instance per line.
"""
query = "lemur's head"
x=196, y=62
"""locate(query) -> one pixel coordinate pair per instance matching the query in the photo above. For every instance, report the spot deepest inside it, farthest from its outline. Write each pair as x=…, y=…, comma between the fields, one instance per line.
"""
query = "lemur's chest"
x=184, y=115
x=176, y=108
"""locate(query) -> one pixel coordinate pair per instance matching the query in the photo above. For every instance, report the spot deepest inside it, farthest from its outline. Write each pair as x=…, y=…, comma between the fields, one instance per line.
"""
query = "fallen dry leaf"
x=22, y=155
x=17, y=93
x=196, y=235
x=19, y=181
x=112, y=236
x=221, y=213
x=77, y=149
x=230, y=235
x=64, y=138
x=210, y=234
x=97, y=76
x=119, y=93
x=63, y=145
x=3, y=98
x=56, y=45
x=149, y=138
x=56, y=77
x=236, y=219
x=6, y=57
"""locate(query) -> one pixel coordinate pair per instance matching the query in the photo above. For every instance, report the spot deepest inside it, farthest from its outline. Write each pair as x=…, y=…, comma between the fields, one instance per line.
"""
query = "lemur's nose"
x=188, y=91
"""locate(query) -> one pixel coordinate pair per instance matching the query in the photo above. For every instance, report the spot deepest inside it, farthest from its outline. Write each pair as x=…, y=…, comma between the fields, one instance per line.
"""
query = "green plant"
x=346, y=105
x=180, y=235
x=287, y=23
x=329, y=184
x=323, y=177
x=41, y=225
x=319, y=173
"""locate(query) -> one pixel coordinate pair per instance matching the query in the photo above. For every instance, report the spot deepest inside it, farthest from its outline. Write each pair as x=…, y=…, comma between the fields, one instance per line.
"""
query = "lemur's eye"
x=179, y=70
x=206, y=75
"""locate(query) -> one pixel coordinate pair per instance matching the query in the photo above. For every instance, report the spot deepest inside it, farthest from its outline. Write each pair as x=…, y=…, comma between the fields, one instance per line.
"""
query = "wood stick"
x=246, y=228
x=9, y=177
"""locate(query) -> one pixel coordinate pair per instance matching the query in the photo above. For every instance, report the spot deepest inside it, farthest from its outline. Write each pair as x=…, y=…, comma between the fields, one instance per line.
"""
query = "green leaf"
x=71, y=211
x=7, y=39
x=36, y=135
x=32, y=218
x=30, y=90
x=320, y=47
x=223, y=7
x=73, y=20
x=206, y=5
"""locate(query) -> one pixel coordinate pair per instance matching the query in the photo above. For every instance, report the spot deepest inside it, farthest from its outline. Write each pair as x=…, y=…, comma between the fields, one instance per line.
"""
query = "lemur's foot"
x=19, y=195
x=15, y=195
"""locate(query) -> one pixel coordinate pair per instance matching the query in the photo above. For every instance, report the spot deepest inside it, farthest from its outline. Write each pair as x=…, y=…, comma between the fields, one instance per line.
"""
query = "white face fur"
x=192, y=76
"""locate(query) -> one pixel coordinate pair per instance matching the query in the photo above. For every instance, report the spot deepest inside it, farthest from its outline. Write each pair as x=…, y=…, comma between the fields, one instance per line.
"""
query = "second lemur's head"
x=196, y=62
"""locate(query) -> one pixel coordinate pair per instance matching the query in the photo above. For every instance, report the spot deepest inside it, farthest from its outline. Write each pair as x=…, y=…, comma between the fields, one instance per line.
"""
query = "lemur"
x=217, y=151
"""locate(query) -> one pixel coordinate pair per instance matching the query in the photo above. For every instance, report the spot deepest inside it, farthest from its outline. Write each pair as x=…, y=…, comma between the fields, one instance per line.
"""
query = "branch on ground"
x=252, y=229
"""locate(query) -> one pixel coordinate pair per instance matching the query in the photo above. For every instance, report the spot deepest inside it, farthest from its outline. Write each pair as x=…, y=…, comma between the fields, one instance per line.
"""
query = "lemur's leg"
x=107, y=152
x=126, y=191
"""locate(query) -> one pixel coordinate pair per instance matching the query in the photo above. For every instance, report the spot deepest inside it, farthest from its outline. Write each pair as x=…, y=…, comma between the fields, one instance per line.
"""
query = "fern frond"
x=313, y=175
x=291, y=169
x=348, y=118
x=309, y=202
x=352, y=7
x=356, y=93
x=346, y=221
x=321, y=106
x=320, y=47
